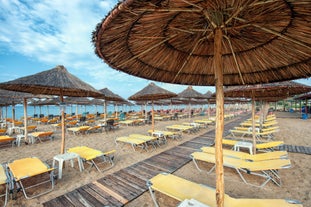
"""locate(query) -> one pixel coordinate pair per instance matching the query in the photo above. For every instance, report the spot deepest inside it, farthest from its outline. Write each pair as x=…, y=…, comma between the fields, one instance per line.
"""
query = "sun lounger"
x=166, y=134
x=267, y=169
x=242, y=133
x=181, y=189
x=148, y=139
x=4, y=139
x=134, y=142
x=93, y=129
x=181, y=128
x=269, y=146
x=203, y=121
x=4, y=184
x=127, y=122
x=78, y=130
x=30, y=171
x=247, y=156
x=95, y=157
x=3, y=131
x=265, y=124
x=41, y=135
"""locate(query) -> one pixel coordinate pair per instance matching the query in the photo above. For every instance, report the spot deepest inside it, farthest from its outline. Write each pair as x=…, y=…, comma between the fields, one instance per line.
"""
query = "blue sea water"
x=55, y=110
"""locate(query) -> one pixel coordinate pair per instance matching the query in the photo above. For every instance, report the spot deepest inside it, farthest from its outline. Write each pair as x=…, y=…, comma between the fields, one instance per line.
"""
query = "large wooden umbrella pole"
x=219, y=118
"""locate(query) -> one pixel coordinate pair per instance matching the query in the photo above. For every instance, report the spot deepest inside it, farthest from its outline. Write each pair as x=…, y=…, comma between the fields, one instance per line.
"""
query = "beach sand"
x=296, y=180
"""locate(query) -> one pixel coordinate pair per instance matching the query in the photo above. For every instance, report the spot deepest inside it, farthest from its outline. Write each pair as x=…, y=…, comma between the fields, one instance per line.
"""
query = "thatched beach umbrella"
x=57, y=81
x=15, y=98
x=263, y=92
x=110, y=96
x=218, y=42
x=189, y=93
x=151, y=93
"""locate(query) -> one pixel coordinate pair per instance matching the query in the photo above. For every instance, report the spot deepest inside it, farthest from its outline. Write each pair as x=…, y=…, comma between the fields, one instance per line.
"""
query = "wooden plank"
x=129, y=183
x=152, y=163
x=114, y=187
x=91, y=197
x=127, y=176
x=126, y=188
x=164, y=162
x=141, y=168
x=150, y=168
x=131, y=170
x=192, y=145
x=105, y=196
x=58, y=201
x=179, y=151
x=159, y=163
x=75, y=198
x=110, y=192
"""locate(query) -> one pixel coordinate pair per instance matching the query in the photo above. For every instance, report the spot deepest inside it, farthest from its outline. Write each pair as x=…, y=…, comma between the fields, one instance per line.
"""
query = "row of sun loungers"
x=31, y=173
x=264, y=165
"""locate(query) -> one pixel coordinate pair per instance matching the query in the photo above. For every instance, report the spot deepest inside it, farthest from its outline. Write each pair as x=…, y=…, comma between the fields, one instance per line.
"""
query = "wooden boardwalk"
x=121, y=187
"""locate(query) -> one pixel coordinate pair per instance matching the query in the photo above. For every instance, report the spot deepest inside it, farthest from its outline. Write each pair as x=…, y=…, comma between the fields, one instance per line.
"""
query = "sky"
x=37, y=35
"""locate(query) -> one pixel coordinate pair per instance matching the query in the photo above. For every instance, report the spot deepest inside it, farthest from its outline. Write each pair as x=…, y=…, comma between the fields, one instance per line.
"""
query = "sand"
x=296, y=180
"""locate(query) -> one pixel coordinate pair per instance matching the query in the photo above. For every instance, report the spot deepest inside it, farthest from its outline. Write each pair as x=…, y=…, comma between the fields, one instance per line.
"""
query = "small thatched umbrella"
x=57, y=81
x=110, y=96
x=189, y=93
x=151, y=93
x=218, y=42
x=279, y=90
x=18, y=97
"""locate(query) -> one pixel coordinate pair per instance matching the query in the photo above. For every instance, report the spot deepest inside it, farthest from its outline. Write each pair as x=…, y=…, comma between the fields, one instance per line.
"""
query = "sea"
x=7, y=112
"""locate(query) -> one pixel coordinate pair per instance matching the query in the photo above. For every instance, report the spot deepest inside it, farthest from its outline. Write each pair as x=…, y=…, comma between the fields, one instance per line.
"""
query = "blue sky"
x=37, y=35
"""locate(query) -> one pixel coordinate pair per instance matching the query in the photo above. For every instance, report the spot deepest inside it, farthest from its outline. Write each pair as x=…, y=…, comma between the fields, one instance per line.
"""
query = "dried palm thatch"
x=208, y=94
x=56, y=81
x=78, y=100
x=303, y=96
x=152, y=92
x=110, y=96
x=173, y=41
x=268, y=91
x=189, y=93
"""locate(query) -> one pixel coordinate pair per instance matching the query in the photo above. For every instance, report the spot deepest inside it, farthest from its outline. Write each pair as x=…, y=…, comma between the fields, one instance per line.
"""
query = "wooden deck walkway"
x=121, y=187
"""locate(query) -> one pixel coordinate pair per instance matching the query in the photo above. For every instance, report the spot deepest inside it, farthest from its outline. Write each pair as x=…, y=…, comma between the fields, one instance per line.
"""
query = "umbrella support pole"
x=219, y=118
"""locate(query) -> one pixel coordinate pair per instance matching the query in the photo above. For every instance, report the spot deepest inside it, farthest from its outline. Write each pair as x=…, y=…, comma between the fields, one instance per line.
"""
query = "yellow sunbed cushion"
x=269, y=144
x=181, y=189
x=131, y=140
x=6, y=138
x=141, y=136
x=86, y=152
x=27, y=167
x=229, y=141
x=238, y=163
x=41, y=134
x=247, y=156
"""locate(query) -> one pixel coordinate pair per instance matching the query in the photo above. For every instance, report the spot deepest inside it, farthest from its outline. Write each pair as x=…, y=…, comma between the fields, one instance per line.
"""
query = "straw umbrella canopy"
x=265, y=92
x=189, y=93
x=110, y=96
x=151, y=93
x=208, y=43
x=57, y=81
